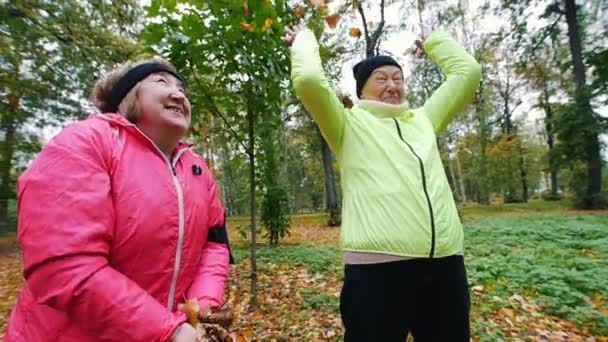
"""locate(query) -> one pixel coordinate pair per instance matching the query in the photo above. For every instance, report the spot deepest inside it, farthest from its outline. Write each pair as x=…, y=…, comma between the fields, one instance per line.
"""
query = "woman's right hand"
x=184, y=333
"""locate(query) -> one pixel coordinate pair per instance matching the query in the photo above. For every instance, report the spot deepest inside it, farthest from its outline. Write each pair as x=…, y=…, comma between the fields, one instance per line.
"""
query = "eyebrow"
x=375, y=72
x=166, y=74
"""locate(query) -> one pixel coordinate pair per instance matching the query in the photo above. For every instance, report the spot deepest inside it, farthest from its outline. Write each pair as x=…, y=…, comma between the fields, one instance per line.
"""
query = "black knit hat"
x=363, y=70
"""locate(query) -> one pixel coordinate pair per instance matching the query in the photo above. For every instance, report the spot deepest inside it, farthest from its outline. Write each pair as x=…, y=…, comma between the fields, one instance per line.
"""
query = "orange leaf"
x=355, y=32
x=246, y=27
x=267, y=24
x=299, y=11
x=332, y=20
x=192, y=311
x=246, y=9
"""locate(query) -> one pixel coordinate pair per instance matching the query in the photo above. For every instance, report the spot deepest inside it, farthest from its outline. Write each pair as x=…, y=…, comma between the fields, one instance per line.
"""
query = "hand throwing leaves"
x=417, y=50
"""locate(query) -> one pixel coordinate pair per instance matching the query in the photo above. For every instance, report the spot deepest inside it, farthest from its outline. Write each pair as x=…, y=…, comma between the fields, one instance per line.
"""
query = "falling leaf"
x=246, y=9
x=246, y=27
x=332, y=20
x=299, y=11
x=267, y=24
x=355, y=32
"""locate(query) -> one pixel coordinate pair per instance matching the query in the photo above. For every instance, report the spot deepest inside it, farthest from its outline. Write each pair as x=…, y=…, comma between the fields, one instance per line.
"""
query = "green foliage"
x=559, y=261
x=275, y=214
x=548, y=196
x=319, y=301
x=12, y=216
x=51, y=52
x=578, y=127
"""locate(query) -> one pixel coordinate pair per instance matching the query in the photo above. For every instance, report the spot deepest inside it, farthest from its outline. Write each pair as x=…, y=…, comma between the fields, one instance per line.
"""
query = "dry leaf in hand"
x=192, y=310
x=223, y=317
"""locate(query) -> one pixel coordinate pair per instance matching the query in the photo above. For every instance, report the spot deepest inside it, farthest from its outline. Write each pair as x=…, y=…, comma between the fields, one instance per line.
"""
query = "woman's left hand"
x=223, y=317
x=417, y=50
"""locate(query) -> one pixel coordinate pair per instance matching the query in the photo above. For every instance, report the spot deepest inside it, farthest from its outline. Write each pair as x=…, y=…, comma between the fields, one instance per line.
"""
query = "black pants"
x=427, y=297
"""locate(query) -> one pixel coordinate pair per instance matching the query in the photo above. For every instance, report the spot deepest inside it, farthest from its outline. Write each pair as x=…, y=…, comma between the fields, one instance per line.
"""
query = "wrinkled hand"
x=417, y=50
x=290, y=34
x=184, y=333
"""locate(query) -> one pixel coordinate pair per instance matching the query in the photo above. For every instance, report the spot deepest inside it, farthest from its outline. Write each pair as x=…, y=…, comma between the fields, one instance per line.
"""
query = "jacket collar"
x=122, y=121
x=385, y=110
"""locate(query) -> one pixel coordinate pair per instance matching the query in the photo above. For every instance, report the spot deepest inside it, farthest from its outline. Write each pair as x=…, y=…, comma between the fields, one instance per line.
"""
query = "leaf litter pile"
x=533, y=278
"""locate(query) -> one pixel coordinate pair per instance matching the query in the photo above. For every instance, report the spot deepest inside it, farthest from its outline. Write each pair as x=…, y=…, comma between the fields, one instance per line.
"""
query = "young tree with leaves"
x=232, y=55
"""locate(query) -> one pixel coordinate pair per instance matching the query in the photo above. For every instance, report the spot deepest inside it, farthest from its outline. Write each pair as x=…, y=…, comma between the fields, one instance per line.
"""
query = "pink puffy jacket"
x=114, y=235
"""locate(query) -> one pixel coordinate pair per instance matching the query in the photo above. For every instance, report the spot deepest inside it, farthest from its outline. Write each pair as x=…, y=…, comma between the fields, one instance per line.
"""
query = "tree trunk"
x=553, y=169
x=253, y=248
x=331, y=194
x=460, y=179
x=594, y=161
x=482, y=179
x=6, y=165
x=523, y=172
x=453, y=176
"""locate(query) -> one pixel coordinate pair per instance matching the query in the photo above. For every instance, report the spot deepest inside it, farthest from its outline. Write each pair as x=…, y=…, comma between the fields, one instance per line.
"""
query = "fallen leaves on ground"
x=10, y=278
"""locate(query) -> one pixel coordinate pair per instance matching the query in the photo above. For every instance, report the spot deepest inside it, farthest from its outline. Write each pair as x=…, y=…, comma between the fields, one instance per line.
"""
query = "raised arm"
x=313, y=89
x=462, y=72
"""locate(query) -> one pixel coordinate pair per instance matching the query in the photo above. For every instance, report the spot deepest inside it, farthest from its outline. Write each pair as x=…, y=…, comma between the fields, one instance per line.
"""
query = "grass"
x=474, y=210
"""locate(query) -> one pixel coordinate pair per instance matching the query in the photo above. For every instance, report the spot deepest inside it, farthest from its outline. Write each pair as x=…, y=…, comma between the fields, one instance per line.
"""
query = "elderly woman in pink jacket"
x=119, y=220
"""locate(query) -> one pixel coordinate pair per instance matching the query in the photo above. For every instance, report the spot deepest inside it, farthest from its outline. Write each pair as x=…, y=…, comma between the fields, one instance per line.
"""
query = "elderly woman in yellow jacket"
x=401, y=235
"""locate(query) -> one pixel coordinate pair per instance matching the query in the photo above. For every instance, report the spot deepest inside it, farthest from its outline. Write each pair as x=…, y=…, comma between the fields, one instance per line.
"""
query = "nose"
x=392, y=85
x=177, y=94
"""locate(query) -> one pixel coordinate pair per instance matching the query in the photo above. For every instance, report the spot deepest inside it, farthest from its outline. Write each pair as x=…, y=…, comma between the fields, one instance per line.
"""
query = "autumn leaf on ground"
x=246, y=27
x=267, y=24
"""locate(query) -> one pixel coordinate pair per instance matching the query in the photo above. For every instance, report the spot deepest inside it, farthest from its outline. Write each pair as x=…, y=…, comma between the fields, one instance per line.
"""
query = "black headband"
x=130, y=79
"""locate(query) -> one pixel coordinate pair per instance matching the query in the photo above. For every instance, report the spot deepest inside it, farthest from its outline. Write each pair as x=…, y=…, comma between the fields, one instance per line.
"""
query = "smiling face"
x=385, y=85
x=163, y=106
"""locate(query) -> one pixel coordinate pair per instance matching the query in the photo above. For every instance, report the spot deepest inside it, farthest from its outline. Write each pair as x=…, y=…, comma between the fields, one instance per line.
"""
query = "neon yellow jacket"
x=396, y=197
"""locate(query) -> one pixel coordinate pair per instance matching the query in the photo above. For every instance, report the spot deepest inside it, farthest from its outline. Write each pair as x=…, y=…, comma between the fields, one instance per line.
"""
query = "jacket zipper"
x=180, y=208
x=426, y=193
